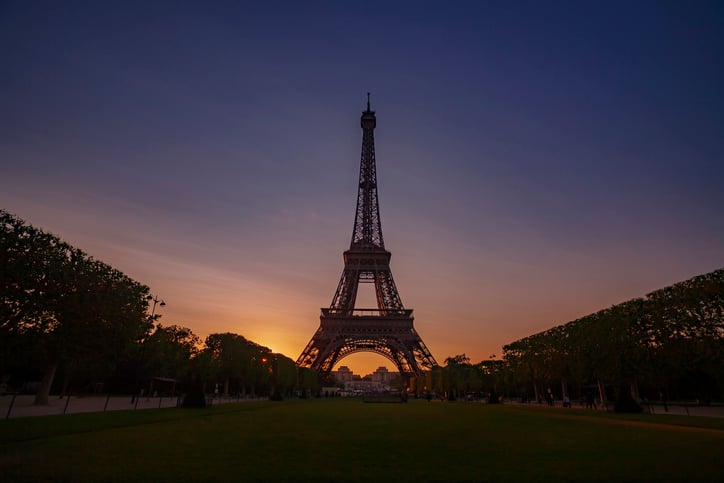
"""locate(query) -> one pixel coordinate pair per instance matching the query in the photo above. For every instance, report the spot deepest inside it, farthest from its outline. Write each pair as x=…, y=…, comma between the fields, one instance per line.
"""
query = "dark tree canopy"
x=669, y=342
x=69, y=306
x=168, y=351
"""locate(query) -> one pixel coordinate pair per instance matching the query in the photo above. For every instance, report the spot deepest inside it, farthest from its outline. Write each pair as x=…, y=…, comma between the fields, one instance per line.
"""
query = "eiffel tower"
x=386, y=330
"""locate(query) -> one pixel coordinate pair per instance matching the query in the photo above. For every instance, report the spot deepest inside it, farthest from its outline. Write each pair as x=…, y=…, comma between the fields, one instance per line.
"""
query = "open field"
x=348, y=440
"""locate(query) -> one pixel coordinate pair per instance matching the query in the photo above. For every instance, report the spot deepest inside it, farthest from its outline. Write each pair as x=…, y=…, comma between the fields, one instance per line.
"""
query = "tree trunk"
x=601, y=393
x=634, y=388
x=41, y=398
x=564, y=388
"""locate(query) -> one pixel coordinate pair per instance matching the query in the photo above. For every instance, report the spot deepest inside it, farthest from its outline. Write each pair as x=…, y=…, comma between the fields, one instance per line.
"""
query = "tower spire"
x=367, y=232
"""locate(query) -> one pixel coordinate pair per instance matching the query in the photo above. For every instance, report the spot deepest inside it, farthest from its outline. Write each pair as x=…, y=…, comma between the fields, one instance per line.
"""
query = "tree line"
x=459, y=379
x=664, y=346
x=68, y=320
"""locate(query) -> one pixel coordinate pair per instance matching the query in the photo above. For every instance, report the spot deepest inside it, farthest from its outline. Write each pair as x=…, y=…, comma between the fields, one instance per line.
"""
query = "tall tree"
x=236, y=359
x=77, y=308
x=169, y=350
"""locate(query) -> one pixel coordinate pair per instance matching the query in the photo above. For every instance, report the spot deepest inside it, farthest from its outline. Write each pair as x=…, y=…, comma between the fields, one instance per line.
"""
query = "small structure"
x=330, y=391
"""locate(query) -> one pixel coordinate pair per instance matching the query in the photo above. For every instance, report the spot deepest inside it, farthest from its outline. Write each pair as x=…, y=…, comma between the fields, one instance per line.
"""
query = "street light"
x=137, y=395
x=155, y=300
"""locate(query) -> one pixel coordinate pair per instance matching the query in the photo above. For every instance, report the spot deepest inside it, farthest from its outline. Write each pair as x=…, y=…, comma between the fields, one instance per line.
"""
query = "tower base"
x=388, y=333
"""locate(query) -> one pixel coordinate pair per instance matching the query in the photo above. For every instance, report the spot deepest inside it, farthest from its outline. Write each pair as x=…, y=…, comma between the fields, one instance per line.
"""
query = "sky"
x=536, y=161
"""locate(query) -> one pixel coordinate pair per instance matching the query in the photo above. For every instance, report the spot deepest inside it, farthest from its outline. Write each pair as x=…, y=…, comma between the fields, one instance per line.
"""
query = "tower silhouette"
x=387, y=330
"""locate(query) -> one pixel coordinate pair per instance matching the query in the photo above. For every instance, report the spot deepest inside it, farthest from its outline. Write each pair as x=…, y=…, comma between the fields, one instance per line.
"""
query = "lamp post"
x=156, y=301
x=494, y=370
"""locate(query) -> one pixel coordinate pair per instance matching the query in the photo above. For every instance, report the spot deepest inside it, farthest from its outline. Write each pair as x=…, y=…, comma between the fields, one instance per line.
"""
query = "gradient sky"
x=537, y=161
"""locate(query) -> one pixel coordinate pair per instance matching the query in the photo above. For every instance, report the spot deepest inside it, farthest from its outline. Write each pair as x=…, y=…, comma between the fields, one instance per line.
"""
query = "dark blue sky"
x=537, y=161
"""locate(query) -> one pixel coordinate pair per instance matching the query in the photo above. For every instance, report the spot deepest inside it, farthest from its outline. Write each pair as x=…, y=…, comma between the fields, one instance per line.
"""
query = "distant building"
x=381, y=375
x=359, y=387
x=330, y=391
x=343, y=374
x=379, y=380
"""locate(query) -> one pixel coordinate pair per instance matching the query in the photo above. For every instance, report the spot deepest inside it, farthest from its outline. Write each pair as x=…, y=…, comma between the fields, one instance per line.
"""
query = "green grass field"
x=348, y=440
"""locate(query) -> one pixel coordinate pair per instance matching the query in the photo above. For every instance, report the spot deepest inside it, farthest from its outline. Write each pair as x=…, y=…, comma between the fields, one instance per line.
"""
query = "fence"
x=21, y=405
x=674, y=408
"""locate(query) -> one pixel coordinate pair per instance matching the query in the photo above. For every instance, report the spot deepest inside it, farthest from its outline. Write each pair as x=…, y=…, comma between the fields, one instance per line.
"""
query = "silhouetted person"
x=663, y=400
x=590, y=401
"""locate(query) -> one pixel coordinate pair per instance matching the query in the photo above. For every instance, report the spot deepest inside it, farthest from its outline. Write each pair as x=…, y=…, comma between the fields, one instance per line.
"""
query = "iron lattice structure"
x=387, y=330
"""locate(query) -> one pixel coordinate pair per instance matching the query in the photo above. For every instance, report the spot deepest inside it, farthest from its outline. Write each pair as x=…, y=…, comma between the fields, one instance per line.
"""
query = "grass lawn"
x=348, y=440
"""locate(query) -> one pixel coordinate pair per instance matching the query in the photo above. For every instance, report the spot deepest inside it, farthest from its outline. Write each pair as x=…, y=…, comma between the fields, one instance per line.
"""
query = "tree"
x=688, y=334
x=308, y=382
x=234, y=359
x=456, y=376
x=168, y=351
x=283, y=376
x=76, y=308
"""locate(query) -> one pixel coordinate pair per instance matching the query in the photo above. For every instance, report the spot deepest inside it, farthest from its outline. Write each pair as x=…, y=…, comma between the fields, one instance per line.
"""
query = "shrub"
x=625, y=403
x=195, y=397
